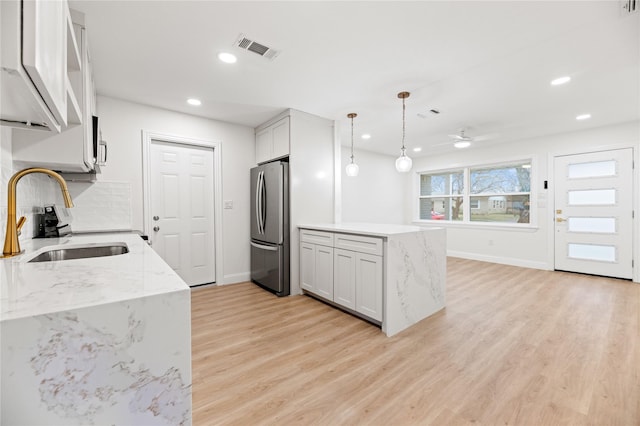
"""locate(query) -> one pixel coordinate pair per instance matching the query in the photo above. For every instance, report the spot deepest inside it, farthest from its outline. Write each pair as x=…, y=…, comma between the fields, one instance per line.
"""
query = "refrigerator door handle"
x=263, y=197
x=261, y=247
x=259, y=203
x=257, y=206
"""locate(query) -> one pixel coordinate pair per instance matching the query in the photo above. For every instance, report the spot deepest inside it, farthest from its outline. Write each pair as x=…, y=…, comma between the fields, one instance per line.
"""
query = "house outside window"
x=492, y=193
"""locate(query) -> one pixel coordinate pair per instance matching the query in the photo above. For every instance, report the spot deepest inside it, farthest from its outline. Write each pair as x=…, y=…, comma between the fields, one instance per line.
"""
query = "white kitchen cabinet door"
x=308, y=266
x=264, y=145
x=324, y=272
x=71, y=150
x=272, y=142
x=280, y=138
x=344, y=278
x=369, y=285
x=44, y=52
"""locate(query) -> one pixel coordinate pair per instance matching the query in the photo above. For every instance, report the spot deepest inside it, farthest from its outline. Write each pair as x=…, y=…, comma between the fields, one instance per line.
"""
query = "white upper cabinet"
x=44, y=52
x=74, y=149
x=272, y=142
x=39, y=53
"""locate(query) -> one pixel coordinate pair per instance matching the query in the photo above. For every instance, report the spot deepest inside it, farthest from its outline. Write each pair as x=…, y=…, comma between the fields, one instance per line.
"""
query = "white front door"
x=181, y=209
x=594, y=213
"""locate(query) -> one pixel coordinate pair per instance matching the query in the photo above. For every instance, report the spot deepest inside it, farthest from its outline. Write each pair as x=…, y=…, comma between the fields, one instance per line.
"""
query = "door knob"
x=156, y=218
x=156, y=228
x=559, y=219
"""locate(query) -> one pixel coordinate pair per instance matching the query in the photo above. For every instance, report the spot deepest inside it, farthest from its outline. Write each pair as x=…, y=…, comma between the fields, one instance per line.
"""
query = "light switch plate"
x=228, y=204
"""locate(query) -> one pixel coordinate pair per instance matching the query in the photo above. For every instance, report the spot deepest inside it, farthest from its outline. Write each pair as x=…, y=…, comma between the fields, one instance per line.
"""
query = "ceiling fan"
x=461, y=141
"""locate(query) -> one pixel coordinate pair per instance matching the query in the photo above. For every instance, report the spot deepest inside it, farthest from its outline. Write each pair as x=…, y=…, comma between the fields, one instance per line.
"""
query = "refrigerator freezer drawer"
x=267, y=266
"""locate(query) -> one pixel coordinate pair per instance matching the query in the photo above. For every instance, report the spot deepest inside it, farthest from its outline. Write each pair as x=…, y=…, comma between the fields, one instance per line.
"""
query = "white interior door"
x=182, y=209
x=594, y=213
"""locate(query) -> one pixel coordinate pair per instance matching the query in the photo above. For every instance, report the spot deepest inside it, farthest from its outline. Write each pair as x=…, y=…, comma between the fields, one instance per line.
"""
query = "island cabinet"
x=316, y=263
x=391, y=275
x=344, y=269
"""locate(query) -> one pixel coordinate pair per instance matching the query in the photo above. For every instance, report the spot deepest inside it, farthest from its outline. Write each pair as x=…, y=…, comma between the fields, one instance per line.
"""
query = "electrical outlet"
x=228, y=204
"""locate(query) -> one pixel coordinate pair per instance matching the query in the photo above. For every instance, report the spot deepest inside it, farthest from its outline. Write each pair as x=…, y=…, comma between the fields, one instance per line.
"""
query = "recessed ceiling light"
x=194, y=102
x=560, y=80
x=462, y=144
x=366, y=136
x=583, y=117
x=417, y=149
x=227, y=58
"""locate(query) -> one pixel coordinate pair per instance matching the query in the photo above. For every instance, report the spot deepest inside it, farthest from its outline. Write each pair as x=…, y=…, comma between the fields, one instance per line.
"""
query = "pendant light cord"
x=403, y=113
x=352, y=115
x=351, y=140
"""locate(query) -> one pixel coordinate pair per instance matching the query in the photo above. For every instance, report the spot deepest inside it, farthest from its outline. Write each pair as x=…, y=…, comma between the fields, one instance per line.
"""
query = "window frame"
x=450, y=196
x=466, y=194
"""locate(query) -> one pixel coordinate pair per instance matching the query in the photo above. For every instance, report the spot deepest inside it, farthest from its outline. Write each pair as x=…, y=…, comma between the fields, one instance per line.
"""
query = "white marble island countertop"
x=362, y=228
x=102, y=340
x=38, y=288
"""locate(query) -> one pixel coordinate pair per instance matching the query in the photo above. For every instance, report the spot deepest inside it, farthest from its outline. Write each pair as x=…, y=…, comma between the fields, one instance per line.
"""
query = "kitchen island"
x=103, y=340
x=391, y=275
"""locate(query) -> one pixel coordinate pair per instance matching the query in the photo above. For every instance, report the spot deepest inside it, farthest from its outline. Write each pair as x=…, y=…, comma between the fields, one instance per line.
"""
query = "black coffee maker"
x=54, y=222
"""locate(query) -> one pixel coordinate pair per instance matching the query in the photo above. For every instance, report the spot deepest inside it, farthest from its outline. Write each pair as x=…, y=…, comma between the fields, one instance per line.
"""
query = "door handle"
x=264, y=203
x=263, y=247
x=259, y=202
x=559, y=219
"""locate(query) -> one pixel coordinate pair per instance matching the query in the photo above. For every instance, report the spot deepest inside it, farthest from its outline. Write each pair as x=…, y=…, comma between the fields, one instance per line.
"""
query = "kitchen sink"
x=81, y=252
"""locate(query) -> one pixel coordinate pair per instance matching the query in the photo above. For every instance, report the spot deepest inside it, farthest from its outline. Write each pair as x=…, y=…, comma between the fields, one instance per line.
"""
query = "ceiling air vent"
x=432, y=111
x=630, y=6
x=255, y=47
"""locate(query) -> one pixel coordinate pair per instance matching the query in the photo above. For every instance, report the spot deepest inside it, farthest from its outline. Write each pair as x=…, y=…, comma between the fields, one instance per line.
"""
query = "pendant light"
x=352, y=168
x=403, y=163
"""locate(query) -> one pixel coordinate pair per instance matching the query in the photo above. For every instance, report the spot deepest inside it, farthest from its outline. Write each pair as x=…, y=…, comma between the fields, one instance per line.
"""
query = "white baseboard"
x=501, y=260
x=242, y=277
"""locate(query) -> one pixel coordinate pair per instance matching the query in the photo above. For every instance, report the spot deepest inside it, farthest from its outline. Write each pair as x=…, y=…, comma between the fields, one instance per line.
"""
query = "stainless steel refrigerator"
x=270, y=227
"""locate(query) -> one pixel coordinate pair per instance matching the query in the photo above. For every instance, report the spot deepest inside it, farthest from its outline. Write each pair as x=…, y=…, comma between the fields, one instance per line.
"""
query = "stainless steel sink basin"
x=81, y=252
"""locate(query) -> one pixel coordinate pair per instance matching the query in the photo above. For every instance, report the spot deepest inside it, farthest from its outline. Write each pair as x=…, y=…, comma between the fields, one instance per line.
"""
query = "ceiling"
x=485, y=65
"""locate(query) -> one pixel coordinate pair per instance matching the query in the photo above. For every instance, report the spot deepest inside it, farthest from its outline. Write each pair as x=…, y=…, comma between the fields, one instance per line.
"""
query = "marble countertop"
x=372, y=229
x=29, y=289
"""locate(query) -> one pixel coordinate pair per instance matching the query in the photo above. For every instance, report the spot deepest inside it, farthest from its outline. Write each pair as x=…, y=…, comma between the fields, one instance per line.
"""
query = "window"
x=441, y=195
x=499, y=193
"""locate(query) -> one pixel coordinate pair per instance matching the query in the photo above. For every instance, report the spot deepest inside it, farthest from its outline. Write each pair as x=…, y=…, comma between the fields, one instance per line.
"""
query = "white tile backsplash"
x=100, y=206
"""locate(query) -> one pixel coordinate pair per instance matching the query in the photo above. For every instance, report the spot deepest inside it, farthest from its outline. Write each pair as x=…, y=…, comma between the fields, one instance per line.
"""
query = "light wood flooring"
x=514, y=346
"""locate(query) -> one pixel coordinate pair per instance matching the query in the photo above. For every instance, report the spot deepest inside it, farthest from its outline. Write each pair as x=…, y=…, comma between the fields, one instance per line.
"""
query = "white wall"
x=531, y=247
x=377, y=194
x=122, y=124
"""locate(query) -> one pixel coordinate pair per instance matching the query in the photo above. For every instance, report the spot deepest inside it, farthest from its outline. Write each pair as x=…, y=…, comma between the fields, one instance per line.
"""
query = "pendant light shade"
x=403, y=163
x=352, y=168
